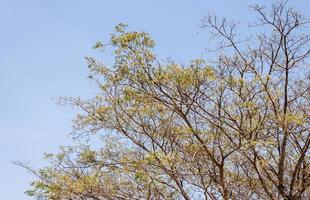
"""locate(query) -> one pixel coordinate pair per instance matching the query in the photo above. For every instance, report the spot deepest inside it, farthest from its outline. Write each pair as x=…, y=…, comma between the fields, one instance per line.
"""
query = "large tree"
x=234, y=128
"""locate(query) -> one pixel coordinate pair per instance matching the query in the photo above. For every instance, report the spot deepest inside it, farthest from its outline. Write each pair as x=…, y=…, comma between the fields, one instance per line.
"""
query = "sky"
x=42, y=48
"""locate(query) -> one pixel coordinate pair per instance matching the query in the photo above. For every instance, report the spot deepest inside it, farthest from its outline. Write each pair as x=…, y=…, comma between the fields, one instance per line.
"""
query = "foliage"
x=234, y=129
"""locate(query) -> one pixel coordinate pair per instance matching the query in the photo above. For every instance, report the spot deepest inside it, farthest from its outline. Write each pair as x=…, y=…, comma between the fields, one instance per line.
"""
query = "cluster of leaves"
x=236, y=130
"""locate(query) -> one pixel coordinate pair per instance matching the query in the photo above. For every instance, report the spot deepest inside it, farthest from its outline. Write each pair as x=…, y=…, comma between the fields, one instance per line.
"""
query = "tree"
x=234, y=129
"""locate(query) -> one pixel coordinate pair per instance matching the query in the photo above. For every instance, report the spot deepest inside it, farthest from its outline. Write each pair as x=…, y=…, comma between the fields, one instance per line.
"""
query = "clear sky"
x=42, y=48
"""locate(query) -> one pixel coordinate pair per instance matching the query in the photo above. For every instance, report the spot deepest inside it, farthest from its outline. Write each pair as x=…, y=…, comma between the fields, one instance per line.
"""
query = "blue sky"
x=42, y=48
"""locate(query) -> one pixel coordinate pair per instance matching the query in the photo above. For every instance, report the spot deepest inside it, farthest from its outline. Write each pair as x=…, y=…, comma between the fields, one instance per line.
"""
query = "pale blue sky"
x=42, y=46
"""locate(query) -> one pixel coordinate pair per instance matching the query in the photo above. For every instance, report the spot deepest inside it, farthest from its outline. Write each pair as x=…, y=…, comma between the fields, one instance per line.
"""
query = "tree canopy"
x=233, y=128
